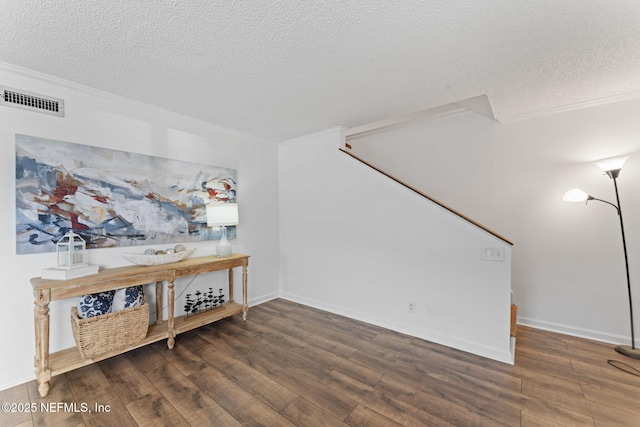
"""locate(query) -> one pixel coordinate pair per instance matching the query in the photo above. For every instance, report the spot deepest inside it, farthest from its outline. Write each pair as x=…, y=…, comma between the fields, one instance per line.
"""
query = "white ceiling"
x=278, y=69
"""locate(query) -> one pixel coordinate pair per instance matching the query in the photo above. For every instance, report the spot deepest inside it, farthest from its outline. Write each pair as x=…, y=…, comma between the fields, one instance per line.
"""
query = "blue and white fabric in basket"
x=127, y=298
x=110, y=301
x=94, y=304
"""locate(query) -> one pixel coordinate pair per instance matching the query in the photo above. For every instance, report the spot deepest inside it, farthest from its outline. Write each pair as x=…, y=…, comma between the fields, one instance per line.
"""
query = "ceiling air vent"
x=31, y=101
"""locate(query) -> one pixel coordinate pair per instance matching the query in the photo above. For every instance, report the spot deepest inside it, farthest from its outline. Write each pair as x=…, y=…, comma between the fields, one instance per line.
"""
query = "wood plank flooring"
x=291, y=365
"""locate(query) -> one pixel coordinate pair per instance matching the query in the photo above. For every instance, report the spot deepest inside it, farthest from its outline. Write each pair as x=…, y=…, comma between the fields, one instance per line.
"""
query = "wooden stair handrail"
x=453, y=211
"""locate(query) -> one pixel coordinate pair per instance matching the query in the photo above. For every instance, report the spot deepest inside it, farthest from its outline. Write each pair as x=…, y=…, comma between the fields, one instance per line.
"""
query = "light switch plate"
x=492, y=254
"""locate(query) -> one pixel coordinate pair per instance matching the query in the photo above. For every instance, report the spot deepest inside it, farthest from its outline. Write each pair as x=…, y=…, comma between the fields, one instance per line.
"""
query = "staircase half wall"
x=357, y=243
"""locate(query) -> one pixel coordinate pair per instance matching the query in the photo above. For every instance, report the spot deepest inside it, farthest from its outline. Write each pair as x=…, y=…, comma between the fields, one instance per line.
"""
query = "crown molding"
x=442, y=111
x=571, y=107
x=334, y=130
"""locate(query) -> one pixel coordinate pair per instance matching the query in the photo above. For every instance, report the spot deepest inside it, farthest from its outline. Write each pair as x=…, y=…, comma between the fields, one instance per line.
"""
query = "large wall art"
x=112, y=198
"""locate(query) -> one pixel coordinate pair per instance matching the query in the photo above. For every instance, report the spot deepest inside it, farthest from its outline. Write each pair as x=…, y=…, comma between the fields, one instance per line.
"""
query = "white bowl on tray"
x=147, y=259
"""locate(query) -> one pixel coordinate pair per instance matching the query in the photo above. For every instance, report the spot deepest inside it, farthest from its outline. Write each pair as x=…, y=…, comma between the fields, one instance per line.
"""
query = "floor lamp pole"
x=626, y=350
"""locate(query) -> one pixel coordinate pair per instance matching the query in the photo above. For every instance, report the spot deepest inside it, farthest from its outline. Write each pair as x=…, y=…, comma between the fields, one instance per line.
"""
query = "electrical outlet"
x=411, y=307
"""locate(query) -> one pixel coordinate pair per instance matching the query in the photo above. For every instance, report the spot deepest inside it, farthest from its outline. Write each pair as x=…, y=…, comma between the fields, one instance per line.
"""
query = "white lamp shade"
x=612, y=163
x=575, y=195
x=222, y=214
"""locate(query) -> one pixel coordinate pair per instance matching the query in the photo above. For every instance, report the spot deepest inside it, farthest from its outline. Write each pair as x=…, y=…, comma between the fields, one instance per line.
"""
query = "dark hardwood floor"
x=291, y=365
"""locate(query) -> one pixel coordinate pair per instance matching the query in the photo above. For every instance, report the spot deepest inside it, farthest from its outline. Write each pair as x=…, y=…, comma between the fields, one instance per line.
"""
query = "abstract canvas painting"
x=112, y=198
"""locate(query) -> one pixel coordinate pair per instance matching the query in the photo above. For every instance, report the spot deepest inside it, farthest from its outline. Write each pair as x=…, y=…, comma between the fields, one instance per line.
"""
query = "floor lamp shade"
x=612, y=163
x=575, y=195
x=222, y=215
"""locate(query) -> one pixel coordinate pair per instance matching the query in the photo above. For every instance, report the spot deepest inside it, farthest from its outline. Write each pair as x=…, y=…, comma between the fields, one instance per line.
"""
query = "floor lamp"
x=612, y=167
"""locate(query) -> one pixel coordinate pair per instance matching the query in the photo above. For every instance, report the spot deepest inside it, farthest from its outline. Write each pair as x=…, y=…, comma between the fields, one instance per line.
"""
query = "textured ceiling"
x=278, y=69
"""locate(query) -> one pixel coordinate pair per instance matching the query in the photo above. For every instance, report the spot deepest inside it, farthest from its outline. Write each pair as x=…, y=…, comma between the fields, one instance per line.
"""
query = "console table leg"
x=41, y=322
x=158, y=303
x=245, y=305
x=171, y=332
x=231, y=285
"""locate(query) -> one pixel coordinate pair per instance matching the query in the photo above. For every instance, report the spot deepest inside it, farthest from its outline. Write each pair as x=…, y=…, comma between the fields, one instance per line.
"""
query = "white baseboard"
x=469, y=347
x=262, y=299
x=16, y=379
x=573, y=331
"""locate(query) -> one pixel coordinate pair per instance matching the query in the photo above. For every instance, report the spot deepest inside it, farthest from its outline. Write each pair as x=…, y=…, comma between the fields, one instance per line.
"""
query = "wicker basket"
x=109, y=332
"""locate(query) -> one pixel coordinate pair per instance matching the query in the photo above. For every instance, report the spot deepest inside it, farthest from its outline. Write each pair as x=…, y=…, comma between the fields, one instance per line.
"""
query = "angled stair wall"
x=354, y=242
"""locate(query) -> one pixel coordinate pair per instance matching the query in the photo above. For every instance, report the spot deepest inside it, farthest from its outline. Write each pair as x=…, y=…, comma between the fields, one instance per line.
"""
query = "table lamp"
x=222, y=215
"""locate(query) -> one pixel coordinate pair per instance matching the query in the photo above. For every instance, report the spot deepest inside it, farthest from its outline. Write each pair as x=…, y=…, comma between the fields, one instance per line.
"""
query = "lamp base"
x=223, y=248
x=628, y=351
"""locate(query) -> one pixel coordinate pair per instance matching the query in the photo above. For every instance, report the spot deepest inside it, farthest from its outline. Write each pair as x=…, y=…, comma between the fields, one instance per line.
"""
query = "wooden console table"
x=46, y=290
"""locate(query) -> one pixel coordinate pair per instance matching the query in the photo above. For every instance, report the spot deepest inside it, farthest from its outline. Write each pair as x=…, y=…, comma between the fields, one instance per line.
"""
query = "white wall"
x=356, y=243
x=568, y=264
x=99, y=119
